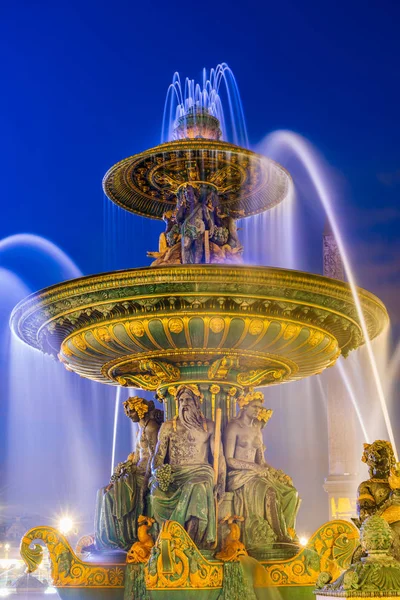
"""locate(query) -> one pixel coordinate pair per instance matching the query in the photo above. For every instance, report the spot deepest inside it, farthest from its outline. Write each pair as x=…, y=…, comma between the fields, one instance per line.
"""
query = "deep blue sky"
x=83, y=85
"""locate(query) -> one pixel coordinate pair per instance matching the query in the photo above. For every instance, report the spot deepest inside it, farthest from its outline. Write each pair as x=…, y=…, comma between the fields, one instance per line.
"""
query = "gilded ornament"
x=137, y=328
x=250, y=397
x=140, y=550
x=68, y=570
x=232, y=548
x=134, y=403
x=176, y=563
x=103, y=334
x=291, y=331
x=256, y=327
x=265, y=414
x=217, y=324
x=175, y=325
x=80, y=342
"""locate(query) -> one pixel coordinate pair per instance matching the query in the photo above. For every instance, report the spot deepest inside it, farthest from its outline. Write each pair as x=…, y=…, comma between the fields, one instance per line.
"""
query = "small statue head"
x=379, y=457
x=168, y=216
x=136, y=408
x=251, y=404
x=191, y=195
x=189, y=400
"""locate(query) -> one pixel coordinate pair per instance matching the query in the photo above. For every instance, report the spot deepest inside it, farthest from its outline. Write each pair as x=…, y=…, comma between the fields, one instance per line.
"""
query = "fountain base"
x=177, y=569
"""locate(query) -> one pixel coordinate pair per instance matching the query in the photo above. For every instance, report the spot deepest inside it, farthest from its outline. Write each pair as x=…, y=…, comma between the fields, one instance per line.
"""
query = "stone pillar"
x=341, y=483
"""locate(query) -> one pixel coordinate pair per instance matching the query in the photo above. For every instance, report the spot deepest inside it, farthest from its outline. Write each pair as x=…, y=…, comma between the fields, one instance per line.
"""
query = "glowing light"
x=65, y=525
x=50, y=590
x=7, y=547
x=303, y=541
x=114, y=445
x=4, y=592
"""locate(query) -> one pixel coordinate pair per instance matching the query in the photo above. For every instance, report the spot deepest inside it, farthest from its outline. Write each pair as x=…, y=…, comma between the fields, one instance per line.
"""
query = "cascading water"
x=275, y=144
x=58, y=434
x=208, y=97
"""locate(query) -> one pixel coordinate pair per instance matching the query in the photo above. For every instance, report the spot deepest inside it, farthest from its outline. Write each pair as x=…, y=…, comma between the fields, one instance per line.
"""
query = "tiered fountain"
x=201, y=330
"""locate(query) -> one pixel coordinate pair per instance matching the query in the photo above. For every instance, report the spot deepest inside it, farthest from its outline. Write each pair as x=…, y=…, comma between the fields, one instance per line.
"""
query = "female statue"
x=262, y=495
x=121, y=503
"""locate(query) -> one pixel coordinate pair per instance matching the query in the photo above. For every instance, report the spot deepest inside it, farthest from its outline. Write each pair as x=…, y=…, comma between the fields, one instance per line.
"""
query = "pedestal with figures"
x=196, y=511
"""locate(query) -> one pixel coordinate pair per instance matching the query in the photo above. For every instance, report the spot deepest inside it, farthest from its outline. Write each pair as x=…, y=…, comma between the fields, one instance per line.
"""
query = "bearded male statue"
x=121, y=503
x=182, y=485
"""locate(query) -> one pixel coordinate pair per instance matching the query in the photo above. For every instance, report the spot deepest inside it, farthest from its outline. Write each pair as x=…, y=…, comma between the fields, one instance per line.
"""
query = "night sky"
x=84, y=84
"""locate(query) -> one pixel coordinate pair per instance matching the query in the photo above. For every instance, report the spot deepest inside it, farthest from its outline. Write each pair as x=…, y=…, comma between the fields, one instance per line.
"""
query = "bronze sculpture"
x=121, y=503
x=380, y=494
x=182, y=486
x=264, y=496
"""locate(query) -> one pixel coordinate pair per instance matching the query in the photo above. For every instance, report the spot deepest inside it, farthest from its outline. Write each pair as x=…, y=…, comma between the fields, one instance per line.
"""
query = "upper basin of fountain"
x=147, y=183
x=274, y=324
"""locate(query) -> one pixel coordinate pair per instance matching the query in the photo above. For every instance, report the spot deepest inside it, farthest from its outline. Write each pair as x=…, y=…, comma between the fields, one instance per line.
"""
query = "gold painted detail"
x=256, y=326
x=258, y=377
x=330, y=549
x=232, y=548
x=137, y=404
x=148, y=374
x=176, y=563
x=67, y=570
x=221, y=367
x=140, y=550
x=264, y=415
x=217, y=324
x=175, y=325
x=214, y=390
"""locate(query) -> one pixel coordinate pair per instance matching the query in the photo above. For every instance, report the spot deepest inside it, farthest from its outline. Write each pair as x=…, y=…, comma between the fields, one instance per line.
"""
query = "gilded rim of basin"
x=105, y=326
x=147, y=183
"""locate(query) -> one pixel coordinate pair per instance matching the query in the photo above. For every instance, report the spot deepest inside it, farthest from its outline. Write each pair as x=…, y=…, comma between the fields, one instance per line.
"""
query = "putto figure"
x=380, y=494
x=121, y=503
x=182, y=486
x=264, y=496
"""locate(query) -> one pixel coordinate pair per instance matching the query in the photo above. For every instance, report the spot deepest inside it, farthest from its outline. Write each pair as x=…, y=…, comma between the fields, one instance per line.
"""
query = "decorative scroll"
x=67, y=570
x=329, y=550
x=176, y=563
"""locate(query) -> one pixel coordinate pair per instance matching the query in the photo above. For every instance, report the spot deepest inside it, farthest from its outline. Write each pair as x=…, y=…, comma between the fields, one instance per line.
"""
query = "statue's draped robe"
x=117, y=512
x=268, y=505
x=189, y=495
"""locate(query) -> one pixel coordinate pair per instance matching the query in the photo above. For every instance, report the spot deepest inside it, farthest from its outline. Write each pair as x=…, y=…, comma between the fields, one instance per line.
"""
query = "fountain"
x=202, y=331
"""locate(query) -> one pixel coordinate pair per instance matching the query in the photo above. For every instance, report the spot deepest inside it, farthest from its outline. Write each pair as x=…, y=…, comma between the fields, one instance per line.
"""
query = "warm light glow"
x=50, y=590
x=7, y=547
x=303, y=541
x=65, y=525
